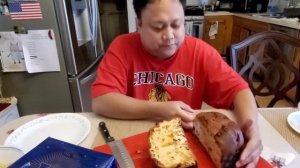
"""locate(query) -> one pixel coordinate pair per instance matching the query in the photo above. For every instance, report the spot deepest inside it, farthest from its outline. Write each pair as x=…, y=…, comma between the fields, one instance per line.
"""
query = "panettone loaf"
x=221, y=137
x=169, y=147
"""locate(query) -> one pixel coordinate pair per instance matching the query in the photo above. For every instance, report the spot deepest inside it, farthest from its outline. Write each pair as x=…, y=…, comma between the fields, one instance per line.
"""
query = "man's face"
x=161, y=27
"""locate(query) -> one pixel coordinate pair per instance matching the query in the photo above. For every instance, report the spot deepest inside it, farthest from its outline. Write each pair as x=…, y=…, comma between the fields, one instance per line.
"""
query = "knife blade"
x=118, y=148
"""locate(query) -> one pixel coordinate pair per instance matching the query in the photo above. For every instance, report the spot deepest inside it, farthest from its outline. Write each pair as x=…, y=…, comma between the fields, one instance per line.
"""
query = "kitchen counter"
x=287, y=22
x=217, y=13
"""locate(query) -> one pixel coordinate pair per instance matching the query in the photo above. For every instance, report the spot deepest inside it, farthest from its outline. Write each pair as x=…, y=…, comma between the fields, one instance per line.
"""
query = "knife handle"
x=105, y=132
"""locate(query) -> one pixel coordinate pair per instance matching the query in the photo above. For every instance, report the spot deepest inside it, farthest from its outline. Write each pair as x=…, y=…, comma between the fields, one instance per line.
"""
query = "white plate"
x=68, y=127
x=8, y=155
x=294, y=121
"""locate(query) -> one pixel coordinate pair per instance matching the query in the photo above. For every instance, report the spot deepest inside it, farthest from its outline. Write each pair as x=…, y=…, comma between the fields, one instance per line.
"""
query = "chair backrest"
x=269, y=62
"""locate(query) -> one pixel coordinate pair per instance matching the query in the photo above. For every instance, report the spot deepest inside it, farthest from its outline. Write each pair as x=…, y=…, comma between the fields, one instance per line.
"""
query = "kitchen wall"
x=113, y=17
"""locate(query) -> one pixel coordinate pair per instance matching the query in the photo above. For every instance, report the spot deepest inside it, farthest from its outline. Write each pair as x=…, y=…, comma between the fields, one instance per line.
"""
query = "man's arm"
x=116, y=105
x=245, y=108
x=246, y=112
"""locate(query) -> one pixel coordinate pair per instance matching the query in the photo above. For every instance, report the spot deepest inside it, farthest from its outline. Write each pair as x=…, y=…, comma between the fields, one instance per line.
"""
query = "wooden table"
x=272, y=136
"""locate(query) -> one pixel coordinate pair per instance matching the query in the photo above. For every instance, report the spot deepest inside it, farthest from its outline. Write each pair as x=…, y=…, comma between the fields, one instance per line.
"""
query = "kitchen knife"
x=118, y=148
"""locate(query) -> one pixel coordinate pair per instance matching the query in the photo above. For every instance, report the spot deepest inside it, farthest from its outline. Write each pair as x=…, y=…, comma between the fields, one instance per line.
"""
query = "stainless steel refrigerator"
x=76, y=25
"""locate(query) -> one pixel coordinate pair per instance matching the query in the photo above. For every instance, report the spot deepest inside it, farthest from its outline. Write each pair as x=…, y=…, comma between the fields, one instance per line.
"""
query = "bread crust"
x=221, y=137
x=163, y=136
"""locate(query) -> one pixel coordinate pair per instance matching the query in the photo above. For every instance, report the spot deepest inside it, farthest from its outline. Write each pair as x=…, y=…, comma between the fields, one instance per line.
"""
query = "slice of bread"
x=169, y=147
x=221, y=137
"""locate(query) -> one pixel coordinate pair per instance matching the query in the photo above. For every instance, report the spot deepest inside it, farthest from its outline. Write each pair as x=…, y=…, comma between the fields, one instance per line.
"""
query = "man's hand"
x=172, y=109
x=250, y=155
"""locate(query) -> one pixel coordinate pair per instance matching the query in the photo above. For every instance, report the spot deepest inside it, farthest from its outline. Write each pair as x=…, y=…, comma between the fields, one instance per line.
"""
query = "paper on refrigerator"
x=11, y=53
x=40, y=51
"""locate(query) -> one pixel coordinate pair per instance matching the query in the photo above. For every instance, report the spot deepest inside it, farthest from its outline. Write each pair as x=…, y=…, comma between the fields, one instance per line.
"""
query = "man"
x=159, y=73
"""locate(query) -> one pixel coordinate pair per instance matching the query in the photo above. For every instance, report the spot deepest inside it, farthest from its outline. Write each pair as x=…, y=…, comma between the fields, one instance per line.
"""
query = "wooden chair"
x=269, y=62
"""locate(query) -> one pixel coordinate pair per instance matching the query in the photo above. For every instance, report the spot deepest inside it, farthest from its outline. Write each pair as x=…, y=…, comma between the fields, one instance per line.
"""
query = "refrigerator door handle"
x=92, y=65
x=80, y=87
x=93, y=21
x=65, y=20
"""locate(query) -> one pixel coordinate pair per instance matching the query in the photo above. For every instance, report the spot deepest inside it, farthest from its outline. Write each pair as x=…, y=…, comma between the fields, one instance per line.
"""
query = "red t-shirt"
x=194, y=74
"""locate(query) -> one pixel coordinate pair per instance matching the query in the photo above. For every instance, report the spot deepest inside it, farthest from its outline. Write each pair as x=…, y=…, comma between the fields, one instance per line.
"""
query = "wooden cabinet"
x=113, y=18
x=242, y=28
x=297, y=58
x=288, y=49
x=292, y=54
x=223, y=37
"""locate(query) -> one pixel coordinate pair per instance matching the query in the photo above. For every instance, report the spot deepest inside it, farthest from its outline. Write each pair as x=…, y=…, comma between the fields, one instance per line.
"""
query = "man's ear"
x=138, y=24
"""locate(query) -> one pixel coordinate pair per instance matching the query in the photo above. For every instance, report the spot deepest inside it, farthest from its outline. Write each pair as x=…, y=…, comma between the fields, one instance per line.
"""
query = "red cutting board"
x=138, y=149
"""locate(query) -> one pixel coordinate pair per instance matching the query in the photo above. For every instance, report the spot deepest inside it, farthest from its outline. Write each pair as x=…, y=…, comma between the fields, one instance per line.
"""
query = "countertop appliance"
x=194, y=21
x=225, y=5
x=193, y=2
x=77, y=30
x=291, y=12
x=252, y=6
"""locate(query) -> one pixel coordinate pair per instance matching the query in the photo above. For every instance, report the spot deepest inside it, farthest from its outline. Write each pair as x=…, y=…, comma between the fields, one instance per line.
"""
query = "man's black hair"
x=139, y=5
